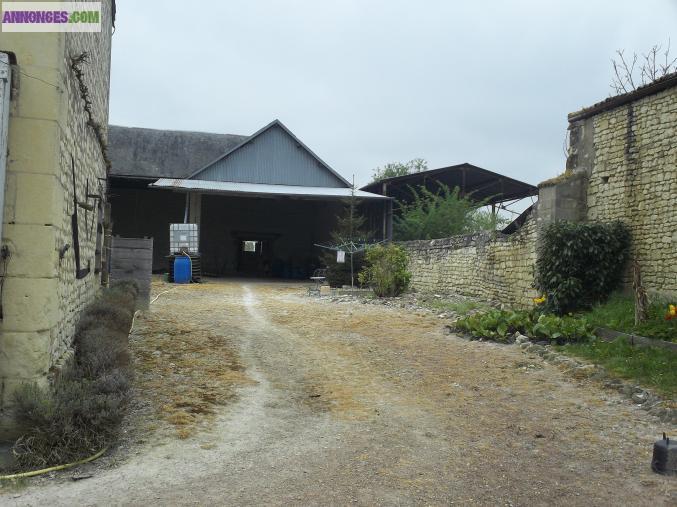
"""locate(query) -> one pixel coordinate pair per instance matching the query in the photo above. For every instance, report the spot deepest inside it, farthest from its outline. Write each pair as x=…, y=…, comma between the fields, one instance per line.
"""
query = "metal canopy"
x=474, y=182
x=262, y=190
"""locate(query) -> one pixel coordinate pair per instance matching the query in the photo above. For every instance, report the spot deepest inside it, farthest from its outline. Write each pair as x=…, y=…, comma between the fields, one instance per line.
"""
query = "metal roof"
x=260, y=189
x=250, y=139
x=274, y=157
x=480, y=185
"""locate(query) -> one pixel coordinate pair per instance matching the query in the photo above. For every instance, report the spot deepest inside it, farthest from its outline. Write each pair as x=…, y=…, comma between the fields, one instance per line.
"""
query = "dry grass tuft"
x=187, y=371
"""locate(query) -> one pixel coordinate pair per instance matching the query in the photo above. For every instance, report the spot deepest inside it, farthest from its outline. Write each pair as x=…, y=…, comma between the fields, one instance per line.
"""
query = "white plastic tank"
x=183, y=238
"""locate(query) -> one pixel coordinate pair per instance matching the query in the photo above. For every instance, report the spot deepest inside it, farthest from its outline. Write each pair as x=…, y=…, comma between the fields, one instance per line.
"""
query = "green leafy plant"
x=496, y=325
x=441, y=214
x=385, y=270
x=561, y=329
x=580, y=264
x=500, y=325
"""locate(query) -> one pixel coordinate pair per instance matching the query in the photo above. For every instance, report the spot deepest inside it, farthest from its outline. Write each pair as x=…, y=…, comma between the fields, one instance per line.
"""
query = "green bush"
x=385, y=270
x=441, y=214
x=580, y=264
x=80, y=413
x=500, y=325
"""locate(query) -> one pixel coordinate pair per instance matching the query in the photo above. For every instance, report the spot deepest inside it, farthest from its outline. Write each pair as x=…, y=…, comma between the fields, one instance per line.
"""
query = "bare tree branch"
x=650, y=68
x=669, y=66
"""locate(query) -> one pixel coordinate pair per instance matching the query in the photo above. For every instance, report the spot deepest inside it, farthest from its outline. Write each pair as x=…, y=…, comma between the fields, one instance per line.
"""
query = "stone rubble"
x=665, y=410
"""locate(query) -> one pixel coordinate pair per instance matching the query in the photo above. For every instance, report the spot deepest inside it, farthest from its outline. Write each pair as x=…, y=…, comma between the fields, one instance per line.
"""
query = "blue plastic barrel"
x=182, y=269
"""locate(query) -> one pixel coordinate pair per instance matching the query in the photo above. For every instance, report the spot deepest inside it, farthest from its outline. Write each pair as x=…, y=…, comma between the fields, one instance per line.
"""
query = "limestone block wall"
x=630, y=159
x=622, y=165
x=48, y=135
x=484, y=265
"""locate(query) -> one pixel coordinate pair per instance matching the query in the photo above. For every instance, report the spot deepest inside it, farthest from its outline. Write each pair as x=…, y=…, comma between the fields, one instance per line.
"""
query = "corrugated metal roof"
x=272, y=156
x=261, y=189
x=480, y=185
x=279, y=156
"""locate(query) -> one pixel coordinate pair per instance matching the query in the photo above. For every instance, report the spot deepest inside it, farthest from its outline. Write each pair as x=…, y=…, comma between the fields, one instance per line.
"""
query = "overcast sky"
x=367, y=82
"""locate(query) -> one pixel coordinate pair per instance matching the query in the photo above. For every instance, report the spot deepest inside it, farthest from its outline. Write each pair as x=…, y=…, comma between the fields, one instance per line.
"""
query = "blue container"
x=182, y=270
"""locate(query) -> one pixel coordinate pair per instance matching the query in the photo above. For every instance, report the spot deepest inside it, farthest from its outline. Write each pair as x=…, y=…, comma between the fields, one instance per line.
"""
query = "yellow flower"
x=539, y=300
x=672, y=311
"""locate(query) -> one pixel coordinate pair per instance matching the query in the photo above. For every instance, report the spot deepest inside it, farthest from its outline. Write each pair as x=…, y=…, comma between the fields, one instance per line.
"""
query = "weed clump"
x=80, y=413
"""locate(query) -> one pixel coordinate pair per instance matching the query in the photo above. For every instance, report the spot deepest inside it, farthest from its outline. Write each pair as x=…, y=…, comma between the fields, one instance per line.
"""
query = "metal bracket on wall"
x=79, y=272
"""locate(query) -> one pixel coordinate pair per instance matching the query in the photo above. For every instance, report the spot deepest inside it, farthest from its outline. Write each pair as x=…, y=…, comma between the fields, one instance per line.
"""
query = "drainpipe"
x=185, y=210
x=5, y=91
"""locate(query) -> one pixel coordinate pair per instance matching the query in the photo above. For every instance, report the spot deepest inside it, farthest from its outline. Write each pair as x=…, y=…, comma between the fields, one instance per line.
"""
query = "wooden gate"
x=132, y=259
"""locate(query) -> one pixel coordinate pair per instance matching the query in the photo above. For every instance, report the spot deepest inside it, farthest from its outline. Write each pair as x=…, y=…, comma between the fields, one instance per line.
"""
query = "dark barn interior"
x=242, y=236
x=263, y=237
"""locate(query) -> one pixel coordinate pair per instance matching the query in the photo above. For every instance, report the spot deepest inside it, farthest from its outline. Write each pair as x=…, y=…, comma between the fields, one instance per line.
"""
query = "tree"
x=441, y=214
x=394, y=169
x=642, y=70
x=350, y=228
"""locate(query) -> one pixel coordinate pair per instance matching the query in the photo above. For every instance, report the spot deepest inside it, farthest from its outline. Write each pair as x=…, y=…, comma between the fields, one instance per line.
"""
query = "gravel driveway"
x=307, y=402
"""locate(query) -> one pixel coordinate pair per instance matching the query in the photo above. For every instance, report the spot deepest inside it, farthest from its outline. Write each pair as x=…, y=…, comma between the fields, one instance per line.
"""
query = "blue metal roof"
x=273, y=156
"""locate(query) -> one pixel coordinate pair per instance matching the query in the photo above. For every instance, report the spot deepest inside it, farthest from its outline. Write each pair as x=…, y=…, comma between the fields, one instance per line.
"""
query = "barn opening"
x=262, y=202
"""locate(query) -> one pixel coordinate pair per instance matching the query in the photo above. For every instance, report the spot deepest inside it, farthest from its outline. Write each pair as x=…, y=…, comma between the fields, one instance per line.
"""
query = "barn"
x=262, y=202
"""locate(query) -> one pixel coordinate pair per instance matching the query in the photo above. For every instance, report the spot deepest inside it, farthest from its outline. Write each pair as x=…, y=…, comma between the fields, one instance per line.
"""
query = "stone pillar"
x=563, y=199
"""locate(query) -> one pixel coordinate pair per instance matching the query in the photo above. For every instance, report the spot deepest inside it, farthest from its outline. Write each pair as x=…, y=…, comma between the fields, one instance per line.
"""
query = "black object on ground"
x=664, y=459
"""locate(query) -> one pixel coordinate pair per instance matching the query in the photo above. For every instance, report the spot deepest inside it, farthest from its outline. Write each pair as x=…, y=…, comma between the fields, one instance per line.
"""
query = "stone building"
x=621, y=165
x=54, y=197
x=624, y=153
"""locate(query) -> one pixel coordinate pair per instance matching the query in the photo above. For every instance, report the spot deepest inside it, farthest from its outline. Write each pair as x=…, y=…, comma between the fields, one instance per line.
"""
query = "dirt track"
x=261, y=395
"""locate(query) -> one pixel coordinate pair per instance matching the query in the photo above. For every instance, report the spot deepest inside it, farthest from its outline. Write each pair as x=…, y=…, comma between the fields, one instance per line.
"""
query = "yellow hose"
x=55, y=468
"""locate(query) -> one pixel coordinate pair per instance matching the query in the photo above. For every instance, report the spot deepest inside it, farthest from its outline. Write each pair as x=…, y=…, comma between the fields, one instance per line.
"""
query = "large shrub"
x=80, y=413
x=580, y=264
x=385, y=270
x=441, y=214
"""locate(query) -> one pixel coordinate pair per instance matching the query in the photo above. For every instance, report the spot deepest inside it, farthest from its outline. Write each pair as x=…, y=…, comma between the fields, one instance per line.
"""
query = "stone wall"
x=49, y=134
x=622, y=165
x=488, y=266
x=626, y=148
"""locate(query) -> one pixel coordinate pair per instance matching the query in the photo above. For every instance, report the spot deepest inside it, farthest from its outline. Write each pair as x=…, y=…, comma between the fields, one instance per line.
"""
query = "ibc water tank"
x=182, y=269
